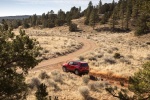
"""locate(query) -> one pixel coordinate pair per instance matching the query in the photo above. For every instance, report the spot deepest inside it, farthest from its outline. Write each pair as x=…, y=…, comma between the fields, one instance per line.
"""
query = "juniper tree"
x=93, y=18
x=41, y=93
x=16, y=52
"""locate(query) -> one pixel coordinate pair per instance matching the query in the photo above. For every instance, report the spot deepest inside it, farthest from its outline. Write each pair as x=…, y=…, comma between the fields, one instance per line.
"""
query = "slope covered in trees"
x=124, y=15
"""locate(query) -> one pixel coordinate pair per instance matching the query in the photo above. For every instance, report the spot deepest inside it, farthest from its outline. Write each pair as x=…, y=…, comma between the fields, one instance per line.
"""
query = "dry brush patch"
x=54, y=44
x=67, y=86
x=119, y=53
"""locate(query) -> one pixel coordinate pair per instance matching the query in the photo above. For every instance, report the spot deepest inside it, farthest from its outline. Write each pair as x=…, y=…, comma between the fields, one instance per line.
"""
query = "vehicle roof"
x=78, y=61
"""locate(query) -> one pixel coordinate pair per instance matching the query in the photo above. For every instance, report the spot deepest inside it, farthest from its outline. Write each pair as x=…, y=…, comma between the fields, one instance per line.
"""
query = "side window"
x=70, y=63
x=75, y=63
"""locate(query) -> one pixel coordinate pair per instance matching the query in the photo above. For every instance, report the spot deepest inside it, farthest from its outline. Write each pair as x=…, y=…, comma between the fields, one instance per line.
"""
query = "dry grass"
x=53, y=44
x=68, y=86
x=134, y=51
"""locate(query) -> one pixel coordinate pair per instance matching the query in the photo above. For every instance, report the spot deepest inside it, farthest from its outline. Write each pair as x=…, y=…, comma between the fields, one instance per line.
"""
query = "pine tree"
x=122, y=11
x=143, y=19
x=140, y=84
x=93, y=18
x=113, y=20
x=128, y=13
x=88, y=13
x=16, y=52
x=41, y=92
x=100, y=7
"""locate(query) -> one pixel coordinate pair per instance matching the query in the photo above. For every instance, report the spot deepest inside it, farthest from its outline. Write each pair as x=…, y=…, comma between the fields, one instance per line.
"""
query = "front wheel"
x=76, y=72
x=64, y=69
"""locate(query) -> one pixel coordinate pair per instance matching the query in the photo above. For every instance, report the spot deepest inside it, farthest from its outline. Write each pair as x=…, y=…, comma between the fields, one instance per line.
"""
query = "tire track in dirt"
x=55, y=63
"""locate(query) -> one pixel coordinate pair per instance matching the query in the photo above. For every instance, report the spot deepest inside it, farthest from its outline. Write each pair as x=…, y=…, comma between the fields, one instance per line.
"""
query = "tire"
x=64, y=69
x=76, y=72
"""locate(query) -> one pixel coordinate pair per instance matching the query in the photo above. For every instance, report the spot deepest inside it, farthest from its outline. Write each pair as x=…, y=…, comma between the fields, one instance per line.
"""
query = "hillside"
x=102, y=48
x=15, y=17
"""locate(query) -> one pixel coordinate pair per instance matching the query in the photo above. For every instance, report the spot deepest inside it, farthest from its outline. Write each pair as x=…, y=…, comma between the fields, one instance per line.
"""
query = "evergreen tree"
x=93, y=18
x=113, y=20
x=41, y=93
x=88, y=13
x=140, y=83
x=16, y=52
x=100, y=7
x=143, y=19
x=128, y=13
x=122, y=12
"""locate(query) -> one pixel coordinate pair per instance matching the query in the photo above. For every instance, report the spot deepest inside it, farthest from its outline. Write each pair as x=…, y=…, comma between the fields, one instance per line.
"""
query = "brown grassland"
x=114, y=57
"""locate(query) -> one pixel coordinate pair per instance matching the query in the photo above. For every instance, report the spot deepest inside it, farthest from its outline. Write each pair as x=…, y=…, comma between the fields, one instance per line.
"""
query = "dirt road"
x=55, y=63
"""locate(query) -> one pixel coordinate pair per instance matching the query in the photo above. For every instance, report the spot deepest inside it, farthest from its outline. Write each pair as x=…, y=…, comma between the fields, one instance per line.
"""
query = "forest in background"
x=123, y=15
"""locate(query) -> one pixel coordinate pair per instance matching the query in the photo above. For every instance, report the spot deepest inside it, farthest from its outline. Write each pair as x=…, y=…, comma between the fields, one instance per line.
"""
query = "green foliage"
x=73, y=27
x=113, y=20
x=140, y=82
x=43, y=75
x=81, y=58
x=142, y=25
x=121, y=94
x=117, y=55
x=16, y=52
x=88, y=12
x=100, y=7
x=105, y=18
x=25, y=24
x=93, y=17
x=41, y=93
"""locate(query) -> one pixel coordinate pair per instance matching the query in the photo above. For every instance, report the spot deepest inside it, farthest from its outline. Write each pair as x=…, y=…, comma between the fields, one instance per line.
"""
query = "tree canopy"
x=17, y=52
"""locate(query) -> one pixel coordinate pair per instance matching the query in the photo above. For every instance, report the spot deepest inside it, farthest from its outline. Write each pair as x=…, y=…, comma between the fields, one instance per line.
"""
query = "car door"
x=70, y=65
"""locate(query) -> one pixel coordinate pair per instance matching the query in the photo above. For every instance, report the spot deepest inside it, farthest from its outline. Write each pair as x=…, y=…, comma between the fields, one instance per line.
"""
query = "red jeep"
x=78, y=67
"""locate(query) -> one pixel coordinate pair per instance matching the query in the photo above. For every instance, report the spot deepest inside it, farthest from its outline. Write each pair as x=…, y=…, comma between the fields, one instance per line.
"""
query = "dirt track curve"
x=55, y=63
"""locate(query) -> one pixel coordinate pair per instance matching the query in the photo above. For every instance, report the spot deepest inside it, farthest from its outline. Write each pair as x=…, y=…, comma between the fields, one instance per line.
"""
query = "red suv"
x=78, y=67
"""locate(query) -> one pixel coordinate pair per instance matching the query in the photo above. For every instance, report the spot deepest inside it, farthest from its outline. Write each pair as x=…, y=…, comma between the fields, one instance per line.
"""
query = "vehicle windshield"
x=84, y=65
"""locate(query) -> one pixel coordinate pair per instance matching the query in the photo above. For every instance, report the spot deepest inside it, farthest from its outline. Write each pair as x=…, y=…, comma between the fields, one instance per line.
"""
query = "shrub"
x=41, y=92
x=35, y=82
x=109, y=60
x=84, y=91
x=148, y=57
x=54, y=73
x=72, y=27
x=81, y=58
x=92, y=58
x=117, y=56
x=125, y=61
x=95, y=86
x=58, y=78
x=140, y=84
x=85, y=79
x=53, y=84
x=43, y=75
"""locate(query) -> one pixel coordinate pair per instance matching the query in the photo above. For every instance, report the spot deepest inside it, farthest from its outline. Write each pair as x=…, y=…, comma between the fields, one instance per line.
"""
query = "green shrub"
x=35, y=82
x=41, y=93
x=72, y=27
x=117, y=56
x=81, y=58
x=140, y=84
x=43, y=75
